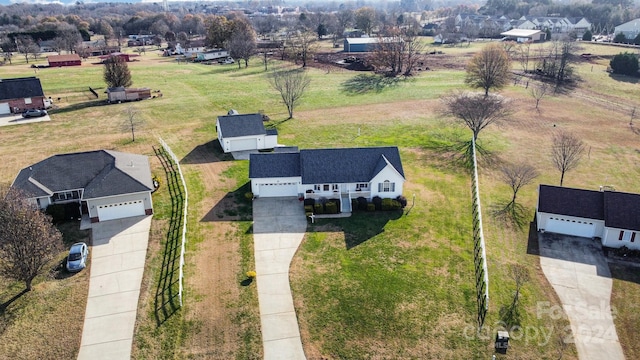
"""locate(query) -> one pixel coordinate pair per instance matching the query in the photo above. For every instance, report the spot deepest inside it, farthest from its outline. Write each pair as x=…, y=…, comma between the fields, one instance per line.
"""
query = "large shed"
x=524, y=35
x=64, y=60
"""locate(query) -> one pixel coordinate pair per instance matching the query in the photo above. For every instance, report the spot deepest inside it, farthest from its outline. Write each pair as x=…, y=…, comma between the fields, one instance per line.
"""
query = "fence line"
x=479, y=254
x=184, y=214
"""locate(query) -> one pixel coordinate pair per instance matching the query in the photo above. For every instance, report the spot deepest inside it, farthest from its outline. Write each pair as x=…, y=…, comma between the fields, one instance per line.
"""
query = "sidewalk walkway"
x=118, y=254
x=279, y=225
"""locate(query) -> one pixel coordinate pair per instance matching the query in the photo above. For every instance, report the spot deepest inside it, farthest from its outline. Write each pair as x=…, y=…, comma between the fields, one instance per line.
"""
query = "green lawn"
x=383, y=285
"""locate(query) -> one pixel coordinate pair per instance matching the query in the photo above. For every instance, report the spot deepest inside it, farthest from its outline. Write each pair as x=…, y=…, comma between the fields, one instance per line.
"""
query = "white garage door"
x=5, y=109
x=243, y=144
x=570, y=227
x=120, y=210
x=278, y=189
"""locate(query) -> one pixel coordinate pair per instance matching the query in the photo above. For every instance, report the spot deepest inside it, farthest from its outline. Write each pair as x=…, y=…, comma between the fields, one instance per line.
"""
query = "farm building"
x=19, y=94
x=366, y=44
x=122, y=94
x=123, y=56
x=524, y=35
x=64, y=60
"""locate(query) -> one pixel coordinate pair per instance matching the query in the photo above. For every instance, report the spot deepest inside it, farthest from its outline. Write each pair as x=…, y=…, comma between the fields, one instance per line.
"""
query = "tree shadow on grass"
x=624, y=78
x=364, y=83
x=510, y=214
x=460, y=153
x=6, y=304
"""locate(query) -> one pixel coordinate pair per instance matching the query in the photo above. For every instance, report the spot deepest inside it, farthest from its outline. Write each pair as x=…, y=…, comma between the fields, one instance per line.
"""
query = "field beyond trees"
x=372, y=286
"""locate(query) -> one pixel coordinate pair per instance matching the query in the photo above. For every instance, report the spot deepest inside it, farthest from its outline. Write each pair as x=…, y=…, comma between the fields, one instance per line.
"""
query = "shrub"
x=395, y=205
x=386, y=204
x=362, y=203
x=318, y=209
x=625, y=64
x=354, y=204
x=308, y=208
x=371, y=207
x=56, y=212
x=402, y=200
x=620, y=38
x=309, y=202
x=331, y=208
x=587, y=36
x=377, y=201
x=248, y=196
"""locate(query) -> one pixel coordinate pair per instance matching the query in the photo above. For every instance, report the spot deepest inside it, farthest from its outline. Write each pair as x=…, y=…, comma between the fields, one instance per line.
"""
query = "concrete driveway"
x=579, y=273
x=17, y=119
x=118, y=254
x=279, y=225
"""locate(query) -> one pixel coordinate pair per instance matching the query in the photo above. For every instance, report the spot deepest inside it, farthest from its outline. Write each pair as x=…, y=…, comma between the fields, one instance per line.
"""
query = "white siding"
x=271, y=187
x=390, y=174
x=270, y=141
x=570, y=225
x=611, y=238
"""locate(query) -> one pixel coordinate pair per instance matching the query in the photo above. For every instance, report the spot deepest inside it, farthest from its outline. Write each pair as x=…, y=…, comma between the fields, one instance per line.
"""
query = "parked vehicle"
x=34, y=113
x=227, y=61
x=77, y=259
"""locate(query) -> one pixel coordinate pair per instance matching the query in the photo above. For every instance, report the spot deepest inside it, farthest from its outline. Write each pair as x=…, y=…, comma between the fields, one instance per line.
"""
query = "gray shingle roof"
x=266, y=165
x=241, y=125
x=100, y=173
x=622, y=210
x=617, y=209
x=20, y=88
x=321, y=166
x=571, y=202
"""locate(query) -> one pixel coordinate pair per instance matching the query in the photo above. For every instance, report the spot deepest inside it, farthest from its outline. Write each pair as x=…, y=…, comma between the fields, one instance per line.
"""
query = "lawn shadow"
x=358, y=228
x=533, y=247
x=234, y=206
x=364, y=83
x=624, y=78
x=167, y=300
x=625, y=271
x=512, y=215
x=208, y=152
x=246, y=282
x=78, y=106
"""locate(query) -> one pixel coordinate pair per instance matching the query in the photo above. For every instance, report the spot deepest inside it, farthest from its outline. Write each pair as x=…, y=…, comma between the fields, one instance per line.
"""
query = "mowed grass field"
x=406, y=289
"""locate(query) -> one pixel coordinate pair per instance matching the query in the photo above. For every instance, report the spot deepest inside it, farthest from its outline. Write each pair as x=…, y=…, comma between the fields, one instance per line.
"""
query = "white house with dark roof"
x=244, y=132
x=612, y=216
x=630, y=29
x=342, y=173
x=105, y=184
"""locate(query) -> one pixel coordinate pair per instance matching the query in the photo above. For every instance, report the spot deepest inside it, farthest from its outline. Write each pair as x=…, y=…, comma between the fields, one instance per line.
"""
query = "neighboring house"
x=609, y=215
x=64, y=60
x=630, y=29
x=214, y=54
x=20, y=94
x=343, y=173
x=105, y=184
x=525, y=25
x=244, y=132
x=522, y=35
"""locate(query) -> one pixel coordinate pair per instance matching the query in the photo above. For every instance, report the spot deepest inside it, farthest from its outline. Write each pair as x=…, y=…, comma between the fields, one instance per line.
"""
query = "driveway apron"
x=579, y=273
x=279, y=225
x=117, y=264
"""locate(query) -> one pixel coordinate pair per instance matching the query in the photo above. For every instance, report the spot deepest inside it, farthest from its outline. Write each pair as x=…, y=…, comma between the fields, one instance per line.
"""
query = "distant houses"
x=630, y=29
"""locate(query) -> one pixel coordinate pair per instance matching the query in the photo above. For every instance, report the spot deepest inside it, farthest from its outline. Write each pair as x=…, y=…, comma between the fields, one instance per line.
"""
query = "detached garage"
x=105, y=184
x=244, y=132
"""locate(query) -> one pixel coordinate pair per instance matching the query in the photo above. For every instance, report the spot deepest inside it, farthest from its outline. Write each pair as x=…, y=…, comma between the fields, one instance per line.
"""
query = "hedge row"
x=331, y=206
x=379, y=204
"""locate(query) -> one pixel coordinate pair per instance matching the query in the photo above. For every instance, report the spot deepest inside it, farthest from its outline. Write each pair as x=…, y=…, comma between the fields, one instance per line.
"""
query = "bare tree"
x=476, y=110
x=242, y=44
x=116, y=72
x=27, y=46
x=303, y=46
x=566, y=152
x=28, y=239
x=524, y=54
x=517, y=176
x=538, y=92
x=489, y=68
x=132, y=121
x=291, y=84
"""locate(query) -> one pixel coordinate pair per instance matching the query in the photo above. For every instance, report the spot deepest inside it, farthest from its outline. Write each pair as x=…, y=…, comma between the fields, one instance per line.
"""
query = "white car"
x=77, y=259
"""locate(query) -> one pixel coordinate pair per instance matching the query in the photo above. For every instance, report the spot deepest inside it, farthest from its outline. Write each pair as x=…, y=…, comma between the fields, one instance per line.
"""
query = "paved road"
x=118, y=254
x=279, y=225
x=579, y=273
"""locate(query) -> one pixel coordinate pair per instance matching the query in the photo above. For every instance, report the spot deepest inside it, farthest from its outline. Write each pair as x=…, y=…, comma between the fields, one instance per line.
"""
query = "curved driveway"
x=579, y=273
x=118, y=252
x=279, y=225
